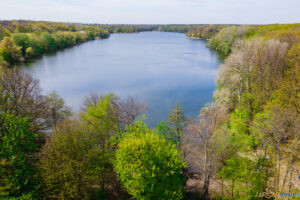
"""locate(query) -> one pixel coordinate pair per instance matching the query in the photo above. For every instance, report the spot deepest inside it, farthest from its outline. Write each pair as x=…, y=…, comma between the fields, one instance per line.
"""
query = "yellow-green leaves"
x=149, y=166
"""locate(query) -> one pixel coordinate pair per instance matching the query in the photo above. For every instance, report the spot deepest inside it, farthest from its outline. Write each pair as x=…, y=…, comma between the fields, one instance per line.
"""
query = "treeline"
x=222, y=37
x=128, y=28
x=23, y=40
x=203, y=32
x=139, y=28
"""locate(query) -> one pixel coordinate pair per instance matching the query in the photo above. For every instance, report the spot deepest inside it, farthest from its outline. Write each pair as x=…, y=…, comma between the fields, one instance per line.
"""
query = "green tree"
x=10, y=52
x=18, y=174
x=71, y=161
x=48, y=42
x=245, y=173
x=102, y=120
x=148, y=165
x=177, y=121
x=3, y=32
x=21, y=40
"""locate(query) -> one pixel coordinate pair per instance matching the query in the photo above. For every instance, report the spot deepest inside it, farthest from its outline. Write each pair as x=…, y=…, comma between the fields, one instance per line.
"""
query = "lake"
x=156, y=68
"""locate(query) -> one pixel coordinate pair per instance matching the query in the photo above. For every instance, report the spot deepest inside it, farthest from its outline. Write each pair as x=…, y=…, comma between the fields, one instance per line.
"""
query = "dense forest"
x=245, y=144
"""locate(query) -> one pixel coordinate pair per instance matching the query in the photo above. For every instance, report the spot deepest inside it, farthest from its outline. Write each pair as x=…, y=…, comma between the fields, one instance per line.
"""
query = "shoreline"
x=196, y=38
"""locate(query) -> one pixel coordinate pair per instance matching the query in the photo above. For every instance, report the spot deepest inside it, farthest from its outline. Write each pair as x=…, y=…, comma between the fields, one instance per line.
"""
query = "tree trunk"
x=232, y=188
x=222, y=194
x=205, y=192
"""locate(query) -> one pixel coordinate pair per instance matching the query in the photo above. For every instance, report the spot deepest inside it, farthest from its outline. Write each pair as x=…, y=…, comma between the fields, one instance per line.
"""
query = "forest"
x=245, y=143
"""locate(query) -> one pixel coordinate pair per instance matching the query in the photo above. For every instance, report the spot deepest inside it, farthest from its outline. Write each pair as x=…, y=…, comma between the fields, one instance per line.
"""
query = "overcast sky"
x=154, y=11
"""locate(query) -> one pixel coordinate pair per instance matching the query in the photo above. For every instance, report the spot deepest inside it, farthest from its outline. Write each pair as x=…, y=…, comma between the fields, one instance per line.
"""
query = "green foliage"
x=253, y=136
x=246, y=178
x=102, y=117
x=18, y=175
x=21, y=40
x=239, y=121
x=3, y=32
x=36, y=38
x=176, y=121
x=9, y=52
x=29, y=53
x=257, y=87
x=164, y=129
x=223, y=40
x=71, y=161
x=48, y=42
x=149, y=167
x=204, y=31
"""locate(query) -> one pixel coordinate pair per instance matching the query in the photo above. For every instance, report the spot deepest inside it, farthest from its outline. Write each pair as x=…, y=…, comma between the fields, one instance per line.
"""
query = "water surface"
x=157, y=68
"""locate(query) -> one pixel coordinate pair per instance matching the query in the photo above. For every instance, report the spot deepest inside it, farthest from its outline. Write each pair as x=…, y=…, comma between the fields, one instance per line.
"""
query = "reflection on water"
x=156, y=68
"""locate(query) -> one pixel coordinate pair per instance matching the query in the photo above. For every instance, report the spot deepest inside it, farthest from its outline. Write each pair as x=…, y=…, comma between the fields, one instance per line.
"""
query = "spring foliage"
x=149, y=167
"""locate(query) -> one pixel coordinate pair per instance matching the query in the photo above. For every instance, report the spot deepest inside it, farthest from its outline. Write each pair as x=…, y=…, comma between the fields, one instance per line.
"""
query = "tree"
x=199, y=148
x=102, y=119
x=149, y=166
x=48, y=42
x=107, y=116
x=278, y=126
x=21, y=40
x=57, y=108
x=22, y=96
x=125, y=111
x=3, y=32
x=177, y=121
x=9, y=51
x=164, y=129
x=18, y=173
x=71, y=161
x=223, y=40
x=83, y=150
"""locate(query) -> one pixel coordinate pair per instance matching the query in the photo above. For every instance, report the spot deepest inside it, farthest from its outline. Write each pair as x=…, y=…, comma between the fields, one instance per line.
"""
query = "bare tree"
x=199, y=145
x=21, y=95
x=58, y=111
x=254, y=67
x=130, y=109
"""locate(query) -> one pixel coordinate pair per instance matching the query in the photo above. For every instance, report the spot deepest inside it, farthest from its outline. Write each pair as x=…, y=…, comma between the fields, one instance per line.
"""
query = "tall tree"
x=200, y=144
x=177, y=121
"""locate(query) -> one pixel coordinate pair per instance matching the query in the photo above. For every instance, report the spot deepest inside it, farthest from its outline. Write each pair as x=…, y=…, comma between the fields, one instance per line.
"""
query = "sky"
x=154, y=11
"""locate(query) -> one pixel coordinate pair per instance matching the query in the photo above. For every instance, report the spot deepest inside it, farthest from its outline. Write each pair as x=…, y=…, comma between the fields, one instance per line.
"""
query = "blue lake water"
x=156, y=68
